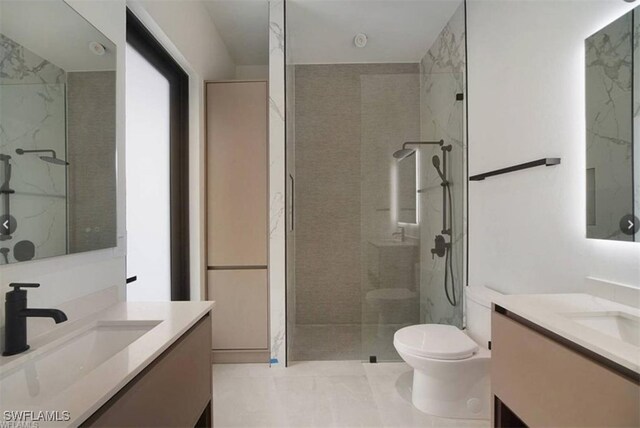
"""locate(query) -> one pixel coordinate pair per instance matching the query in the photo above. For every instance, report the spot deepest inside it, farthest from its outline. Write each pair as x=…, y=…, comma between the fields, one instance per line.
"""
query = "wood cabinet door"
x=240, y=316
x=546, y=384
x=237, y=173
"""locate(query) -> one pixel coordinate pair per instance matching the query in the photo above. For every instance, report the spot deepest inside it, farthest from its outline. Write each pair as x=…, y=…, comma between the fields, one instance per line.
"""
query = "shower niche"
x=57, y=138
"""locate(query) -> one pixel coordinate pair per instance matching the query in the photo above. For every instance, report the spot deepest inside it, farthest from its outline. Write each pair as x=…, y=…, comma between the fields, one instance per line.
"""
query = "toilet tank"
x=478, y=301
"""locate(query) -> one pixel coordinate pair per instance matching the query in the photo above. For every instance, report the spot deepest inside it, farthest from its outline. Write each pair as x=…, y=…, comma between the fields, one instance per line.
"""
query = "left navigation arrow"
x=8, y=224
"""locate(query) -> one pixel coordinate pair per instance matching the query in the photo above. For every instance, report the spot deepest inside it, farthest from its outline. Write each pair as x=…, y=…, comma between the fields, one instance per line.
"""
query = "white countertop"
x=546, y=311
x=83, y=397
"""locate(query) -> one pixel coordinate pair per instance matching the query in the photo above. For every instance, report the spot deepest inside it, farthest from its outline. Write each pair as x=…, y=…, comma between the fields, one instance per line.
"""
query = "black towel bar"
x=539, y=162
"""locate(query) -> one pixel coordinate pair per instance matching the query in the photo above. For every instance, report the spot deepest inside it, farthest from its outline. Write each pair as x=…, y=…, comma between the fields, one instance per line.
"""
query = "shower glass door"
x=404, y=205
x=361, y=222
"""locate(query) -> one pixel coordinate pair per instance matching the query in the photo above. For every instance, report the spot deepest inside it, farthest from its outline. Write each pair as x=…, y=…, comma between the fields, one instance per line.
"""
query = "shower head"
x=435, y=160
x=49, y=159
x=403, y=153
x=54, y=160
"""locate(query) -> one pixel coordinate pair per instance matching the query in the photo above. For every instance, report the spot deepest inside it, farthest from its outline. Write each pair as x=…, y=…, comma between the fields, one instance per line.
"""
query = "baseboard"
x=240, y=356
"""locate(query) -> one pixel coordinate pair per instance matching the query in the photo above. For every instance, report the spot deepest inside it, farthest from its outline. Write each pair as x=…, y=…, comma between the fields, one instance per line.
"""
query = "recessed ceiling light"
x=360, y=40
x=97, y=48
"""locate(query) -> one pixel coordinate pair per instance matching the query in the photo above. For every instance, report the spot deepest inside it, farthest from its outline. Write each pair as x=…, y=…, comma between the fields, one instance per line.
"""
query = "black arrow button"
x=629, y=224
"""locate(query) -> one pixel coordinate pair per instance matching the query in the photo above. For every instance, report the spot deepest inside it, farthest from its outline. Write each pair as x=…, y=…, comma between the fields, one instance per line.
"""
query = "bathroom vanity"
x=133, y=364
x=545, y=348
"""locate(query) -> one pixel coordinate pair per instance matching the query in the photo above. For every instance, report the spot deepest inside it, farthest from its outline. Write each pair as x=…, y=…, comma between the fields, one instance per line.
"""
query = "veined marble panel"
x=32, y=116
x=20, y=66
x=442, y=117
x=609, y=119
x=277, y=221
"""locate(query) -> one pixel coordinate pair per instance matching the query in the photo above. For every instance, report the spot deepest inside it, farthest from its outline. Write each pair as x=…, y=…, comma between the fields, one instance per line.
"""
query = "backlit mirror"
x=612, y=119
x=407, y=212
x=57, y=133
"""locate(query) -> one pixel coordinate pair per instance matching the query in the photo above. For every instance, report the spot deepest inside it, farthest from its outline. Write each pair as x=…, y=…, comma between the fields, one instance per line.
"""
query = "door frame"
x=141, y=39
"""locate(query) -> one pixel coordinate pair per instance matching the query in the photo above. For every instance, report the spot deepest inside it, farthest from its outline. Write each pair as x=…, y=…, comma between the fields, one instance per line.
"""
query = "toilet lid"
x=438, y=341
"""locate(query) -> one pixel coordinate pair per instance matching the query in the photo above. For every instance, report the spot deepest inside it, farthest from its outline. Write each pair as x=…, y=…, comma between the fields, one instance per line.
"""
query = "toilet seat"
x=437, y=341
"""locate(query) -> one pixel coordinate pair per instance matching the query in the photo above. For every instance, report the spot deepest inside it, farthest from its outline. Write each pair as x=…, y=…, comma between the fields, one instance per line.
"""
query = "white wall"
x=189, y=26
x=69, y=277
x=252, y=72
x=527, y=101
x=186, y=30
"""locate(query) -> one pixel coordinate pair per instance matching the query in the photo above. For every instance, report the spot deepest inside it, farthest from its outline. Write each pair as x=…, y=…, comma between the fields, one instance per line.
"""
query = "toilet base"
x=452, y=390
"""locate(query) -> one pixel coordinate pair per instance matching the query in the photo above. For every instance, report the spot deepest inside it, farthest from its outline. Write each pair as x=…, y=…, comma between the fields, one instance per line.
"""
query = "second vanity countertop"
x=556, y=313
x=166, y=321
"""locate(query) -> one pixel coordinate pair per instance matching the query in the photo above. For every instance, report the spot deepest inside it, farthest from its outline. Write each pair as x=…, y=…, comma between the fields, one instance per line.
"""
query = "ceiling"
x=55, y=32
x=322, y=31
x=244, y=28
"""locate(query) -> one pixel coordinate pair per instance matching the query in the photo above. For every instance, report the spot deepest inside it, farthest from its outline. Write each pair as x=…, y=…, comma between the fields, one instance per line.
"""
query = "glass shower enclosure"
x=376, y=234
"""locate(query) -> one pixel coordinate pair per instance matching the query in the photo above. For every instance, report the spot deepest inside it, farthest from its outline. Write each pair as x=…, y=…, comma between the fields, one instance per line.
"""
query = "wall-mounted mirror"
x=407, y=212
x=612, y=119
x=57, y=132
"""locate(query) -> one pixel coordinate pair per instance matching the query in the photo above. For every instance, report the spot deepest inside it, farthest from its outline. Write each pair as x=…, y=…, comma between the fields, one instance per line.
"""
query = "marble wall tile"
x=277, y=221
x=609, y=119
x=442, y=117
x=32, y=106
x=18, y=65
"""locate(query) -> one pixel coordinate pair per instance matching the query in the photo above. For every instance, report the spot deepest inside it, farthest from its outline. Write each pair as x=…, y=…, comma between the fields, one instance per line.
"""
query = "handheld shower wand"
x=435, y=160
x=443, y=248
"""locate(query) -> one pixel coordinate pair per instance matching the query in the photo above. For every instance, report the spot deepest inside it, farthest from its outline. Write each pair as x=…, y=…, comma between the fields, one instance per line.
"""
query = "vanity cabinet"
x=540, y=379
x=175, y=390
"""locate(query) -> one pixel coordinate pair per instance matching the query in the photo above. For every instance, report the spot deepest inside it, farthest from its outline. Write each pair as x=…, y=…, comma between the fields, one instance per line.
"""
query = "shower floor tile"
x=343, y=342
x=320, y=394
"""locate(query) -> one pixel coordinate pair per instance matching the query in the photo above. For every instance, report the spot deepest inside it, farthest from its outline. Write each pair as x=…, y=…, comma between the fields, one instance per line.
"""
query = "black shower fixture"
x=50, y=159
x=406, y=152
x=442, y=248
x=435, y=160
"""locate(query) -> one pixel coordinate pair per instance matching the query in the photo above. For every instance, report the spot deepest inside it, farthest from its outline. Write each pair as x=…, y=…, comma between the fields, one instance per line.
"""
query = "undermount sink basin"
x=48, y=371
x=617, y=324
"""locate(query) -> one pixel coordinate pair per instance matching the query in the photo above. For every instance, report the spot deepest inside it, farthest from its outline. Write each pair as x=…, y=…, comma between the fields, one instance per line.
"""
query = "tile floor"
x=320, y=394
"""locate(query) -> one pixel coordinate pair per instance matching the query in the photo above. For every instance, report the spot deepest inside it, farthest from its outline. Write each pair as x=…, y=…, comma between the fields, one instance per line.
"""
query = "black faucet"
x=16, y=314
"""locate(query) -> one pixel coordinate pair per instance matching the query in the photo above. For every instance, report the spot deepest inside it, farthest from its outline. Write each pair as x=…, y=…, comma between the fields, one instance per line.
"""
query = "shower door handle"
x=293, y=206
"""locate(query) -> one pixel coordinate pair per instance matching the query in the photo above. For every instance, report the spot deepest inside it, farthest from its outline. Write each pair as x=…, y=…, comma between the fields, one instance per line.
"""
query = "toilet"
x=451, y=366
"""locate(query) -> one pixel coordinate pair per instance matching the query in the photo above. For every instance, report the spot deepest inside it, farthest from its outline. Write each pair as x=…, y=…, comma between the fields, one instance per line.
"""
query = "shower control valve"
x=440, y=248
